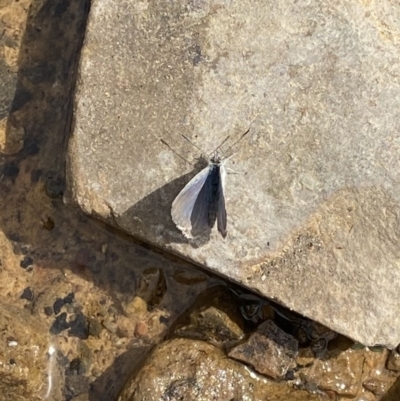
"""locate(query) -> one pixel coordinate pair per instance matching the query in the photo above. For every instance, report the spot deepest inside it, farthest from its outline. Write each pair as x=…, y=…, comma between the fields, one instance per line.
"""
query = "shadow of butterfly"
x=201, y=202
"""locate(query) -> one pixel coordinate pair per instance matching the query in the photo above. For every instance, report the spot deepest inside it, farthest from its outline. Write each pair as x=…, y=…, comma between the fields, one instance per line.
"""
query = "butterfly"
x=201, y=202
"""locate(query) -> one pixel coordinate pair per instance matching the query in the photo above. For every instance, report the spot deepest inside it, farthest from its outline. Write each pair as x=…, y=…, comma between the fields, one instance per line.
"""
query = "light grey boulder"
x=313, y=215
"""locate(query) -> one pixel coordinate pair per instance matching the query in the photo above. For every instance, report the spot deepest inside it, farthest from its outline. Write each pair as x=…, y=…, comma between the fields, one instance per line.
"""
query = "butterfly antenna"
x=235, y=143
x=194, y=145
x=174, y=151
x=219, y=147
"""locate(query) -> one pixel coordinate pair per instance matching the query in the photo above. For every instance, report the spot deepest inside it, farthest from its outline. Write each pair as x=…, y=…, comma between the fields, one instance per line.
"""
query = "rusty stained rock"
x=341, y=373
x=183, y=369
x=376, y=378
x=269, y=350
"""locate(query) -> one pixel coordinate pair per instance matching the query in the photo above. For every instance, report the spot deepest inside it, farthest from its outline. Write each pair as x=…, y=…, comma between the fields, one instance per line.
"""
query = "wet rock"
x=141, y=329
x=58, y=304
x=95, y=327
x=25, y=365
x=79, y=327
x=48, y=224
x=13, y=137
x=81, y=397
x=60, y=324
x=341, y=373
x=393, y=362
x=85, y=258
x=13, y=21
x=376, y=378
x=10, y=170
x=269, y=350
x=363, y=395
x=376, y=386
x=27, y=294
x=48, y=310
x=184, y=369
x=320, y=336
x=69, y=299
x=152, y=287
x=75, y=385
x=305, y=357
x=31, y=146
x=136, y=307
x=110, y=324
x=75, y=367
x=252, y=307
x=12, y=389
x=26, y=262
x=54, y=186
x=213, y=325
x=35, y=175
x=393, y=393
x=39, y=73
x=189, y=277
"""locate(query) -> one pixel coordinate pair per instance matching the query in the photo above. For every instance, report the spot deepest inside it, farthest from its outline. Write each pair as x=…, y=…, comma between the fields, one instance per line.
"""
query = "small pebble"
x=110, y=325
x=58, y=304
x=136, y=307
x=48, y=310
x=54, y=186
x=164, y=319
x=60, y=324
x=74, y=367
x=141, y=329
x=48, y=224
x=95, y=328
x=27, y=294
x=26, y=262
x=79, y=327
x=69, y=298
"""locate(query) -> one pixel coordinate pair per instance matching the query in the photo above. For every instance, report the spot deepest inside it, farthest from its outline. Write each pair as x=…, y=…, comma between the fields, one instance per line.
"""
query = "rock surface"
x=13, y=96
x=341, y=373
x=269, y=350
x=26, y=361
x=313, y=221
x=124, y=296
x=183, y=369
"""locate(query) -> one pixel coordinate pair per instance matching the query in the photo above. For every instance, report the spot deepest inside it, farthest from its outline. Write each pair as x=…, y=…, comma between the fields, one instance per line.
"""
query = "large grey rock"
x=313, y=221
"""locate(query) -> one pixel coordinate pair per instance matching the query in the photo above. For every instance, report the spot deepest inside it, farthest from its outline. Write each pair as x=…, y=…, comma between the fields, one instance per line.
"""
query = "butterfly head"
x=216, y=158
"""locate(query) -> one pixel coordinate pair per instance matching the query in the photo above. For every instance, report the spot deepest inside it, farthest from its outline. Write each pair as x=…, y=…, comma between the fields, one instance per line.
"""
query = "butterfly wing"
x=221, y=216
x=189, y=213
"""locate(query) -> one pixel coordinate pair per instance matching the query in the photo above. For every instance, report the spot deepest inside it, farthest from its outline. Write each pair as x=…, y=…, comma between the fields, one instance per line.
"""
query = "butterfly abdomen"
x=214, y=187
